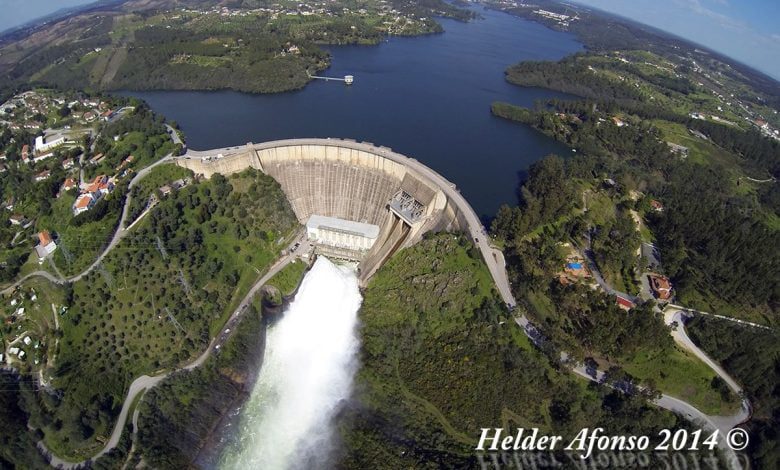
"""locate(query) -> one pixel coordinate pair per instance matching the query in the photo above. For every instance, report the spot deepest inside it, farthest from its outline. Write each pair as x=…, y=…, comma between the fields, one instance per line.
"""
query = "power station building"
x=358, y=202
x=340, y=233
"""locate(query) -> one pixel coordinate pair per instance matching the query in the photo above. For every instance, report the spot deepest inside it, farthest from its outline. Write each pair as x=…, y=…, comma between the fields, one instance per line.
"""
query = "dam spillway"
x=307, y=374
x=346, y=180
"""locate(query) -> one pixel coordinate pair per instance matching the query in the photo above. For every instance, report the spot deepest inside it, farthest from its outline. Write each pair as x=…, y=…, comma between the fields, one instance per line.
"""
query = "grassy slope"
x=750, y=355
x=287, y=279
x=680, y=374
x=118, y=326
x=440, y=361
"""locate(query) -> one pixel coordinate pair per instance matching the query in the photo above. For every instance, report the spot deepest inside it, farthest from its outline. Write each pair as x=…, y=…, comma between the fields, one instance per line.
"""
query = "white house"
x=46, y=245
x=43, y=145
x=83, y=203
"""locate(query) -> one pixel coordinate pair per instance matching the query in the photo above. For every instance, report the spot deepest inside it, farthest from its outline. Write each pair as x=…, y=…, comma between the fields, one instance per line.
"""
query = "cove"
x=427, y=97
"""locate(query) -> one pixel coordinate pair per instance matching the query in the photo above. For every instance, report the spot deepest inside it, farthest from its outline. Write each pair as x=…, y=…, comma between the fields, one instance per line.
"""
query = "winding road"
x=673, y=317
x=676, y=315
x=119, y=234
x=723, y=424
x=494, y=260
x=493, y=257
x=145, y=382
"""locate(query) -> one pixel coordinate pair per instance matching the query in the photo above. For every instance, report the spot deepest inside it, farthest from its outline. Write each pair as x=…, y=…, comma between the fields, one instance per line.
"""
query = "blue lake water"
x=426, y=97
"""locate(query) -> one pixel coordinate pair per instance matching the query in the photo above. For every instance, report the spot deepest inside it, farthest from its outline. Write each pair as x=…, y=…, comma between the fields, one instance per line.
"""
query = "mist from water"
x=308, y=368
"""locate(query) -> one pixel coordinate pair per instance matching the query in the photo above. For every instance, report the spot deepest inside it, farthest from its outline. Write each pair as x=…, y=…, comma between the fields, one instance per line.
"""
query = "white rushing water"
x=308, y=368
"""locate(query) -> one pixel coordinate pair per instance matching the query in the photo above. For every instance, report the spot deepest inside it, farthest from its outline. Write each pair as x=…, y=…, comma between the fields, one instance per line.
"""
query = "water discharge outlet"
x=308, y=370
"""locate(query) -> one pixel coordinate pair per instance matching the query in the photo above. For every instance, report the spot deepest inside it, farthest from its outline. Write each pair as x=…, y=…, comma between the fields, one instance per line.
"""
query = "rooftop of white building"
x=341, y=225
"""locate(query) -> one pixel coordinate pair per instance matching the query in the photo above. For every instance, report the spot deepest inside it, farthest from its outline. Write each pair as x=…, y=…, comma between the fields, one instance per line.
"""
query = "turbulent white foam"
x=308, y=368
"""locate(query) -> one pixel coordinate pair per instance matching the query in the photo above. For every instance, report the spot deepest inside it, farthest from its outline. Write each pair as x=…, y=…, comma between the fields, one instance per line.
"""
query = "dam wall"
x=224, y=164
x=347, y=180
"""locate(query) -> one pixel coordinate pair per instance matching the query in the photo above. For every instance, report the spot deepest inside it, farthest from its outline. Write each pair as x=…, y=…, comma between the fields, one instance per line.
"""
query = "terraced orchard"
x=157, y=300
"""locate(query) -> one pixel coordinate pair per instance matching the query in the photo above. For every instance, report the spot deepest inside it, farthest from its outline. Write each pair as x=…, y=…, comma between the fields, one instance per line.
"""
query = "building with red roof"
x=83, y=203
x=46, y=245
x=662, y=288
x=624, y=303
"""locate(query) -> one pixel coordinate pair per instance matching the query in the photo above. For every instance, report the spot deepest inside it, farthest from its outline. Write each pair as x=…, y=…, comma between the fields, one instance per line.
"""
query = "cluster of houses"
x=575, y=270
x=92, y=193
x=563, y=20
x=394, y=21
x=20, y=111
x=22, y=344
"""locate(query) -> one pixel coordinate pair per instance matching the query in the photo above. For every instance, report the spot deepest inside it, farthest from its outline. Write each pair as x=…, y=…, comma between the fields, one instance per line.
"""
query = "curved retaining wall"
x=344, y=179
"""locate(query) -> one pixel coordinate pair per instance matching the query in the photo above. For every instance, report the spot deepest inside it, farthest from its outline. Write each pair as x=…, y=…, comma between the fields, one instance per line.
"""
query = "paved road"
x=494, y=258
x=174, y=135
x=119, y=234
x=675, y=314
x=145, y=382
x=706, y=422
x=587, y=254
x=690, y=312
x=724, y=423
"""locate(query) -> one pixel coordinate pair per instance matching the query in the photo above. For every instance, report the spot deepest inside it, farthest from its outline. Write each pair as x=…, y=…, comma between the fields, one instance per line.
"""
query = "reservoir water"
x=307, y=372
x=427, y=97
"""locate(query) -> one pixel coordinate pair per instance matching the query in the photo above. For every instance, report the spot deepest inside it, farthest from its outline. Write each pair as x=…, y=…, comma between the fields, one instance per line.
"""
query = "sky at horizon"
x=746, y=30
x=19, y=12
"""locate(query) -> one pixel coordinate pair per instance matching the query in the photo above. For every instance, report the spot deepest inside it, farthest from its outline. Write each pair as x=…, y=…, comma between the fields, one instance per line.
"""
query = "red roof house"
x=624, y=303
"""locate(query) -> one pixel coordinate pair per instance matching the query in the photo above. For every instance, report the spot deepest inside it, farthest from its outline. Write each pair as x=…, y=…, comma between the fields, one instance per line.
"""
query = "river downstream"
x=427, y=97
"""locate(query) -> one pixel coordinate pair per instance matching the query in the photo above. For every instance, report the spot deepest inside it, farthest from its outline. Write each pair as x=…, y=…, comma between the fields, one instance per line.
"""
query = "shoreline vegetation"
x=157, y=45
x=666, y=156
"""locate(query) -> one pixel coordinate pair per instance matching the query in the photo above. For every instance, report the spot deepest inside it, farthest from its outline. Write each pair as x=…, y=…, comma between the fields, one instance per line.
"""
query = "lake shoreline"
x=427, y=97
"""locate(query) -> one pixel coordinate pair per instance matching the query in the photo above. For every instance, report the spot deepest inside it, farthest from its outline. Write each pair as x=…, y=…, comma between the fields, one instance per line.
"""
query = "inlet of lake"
x=427, y=97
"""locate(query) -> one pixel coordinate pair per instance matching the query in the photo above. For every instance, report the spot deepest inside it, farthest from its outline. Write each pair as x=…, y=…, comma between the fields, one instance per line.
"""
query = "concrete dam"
x=358, y=201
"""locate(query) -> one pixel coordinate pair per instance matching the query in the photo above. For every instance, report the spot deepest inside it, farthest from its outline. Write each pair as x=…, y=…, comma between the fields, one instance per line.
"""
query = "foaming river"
x=308, y=369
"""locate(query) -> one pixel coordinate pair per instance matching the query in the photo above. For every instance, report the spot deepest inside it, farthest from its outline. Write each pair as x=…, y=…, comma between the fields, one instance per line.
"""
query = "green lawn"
x=681, y=375
x=287, y=279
